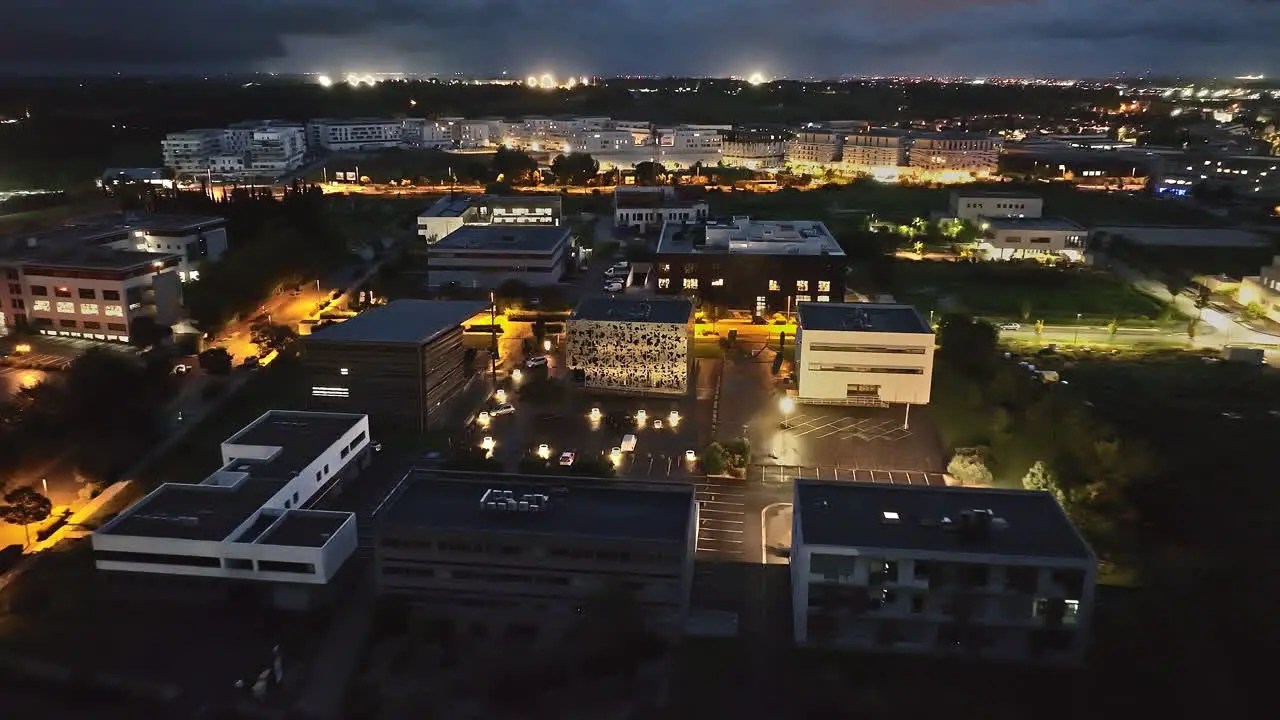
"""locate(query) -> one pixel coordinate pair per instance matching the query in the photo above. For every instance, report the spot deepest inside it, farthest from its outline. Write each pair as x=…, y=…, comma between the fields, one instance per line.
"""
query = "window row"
x=83, y=293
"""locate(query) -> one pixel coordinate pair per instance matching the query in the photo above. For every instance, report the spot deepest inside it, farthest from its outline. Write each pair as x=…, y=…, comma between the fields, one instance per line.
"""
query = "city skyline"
x=802, y=38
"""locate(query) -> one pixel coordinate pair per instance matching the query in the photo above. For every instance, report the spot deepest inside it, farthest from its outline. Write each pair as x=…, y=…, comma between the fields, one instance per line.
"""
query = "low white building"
x=755, y=151
x=644, y=207
x=1263, y=290
x=601, y=142
x=972, y=206
x=337, y=135
x=1013, y=238
x=867, y=354
x=485, y=256
x=248, y=525
x=454, y=211
x=631, y=345
x=976, y=573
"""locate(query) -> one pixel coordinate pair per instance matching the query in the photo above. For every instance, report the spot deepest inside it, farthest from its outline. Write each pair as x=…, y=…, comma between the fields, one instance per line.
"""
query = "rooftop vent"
x=500, y=500
x=975, y=526
x=857, y=320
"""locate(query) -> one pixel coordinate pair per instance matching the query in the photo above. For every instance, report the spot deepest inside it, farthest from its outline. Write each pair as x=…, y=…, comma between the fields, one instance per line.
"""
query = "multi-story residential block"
x=454, y=211
x=354, y=133
x=403, y=362
x=956, y=152
x=975, y=205
x=875, y=148
x=189, y=151
x=1013, y=238
x=992, y=574
x=815, y=148
x=755, y=150
x=761, y=266
x=645, y=208
x=602, y=142
x=867, y=354
x=262, y=147
x=527, y=557
x=632, y=345
x=277, y=148
x=478, y=133
x=478, y=256
x=247, y=530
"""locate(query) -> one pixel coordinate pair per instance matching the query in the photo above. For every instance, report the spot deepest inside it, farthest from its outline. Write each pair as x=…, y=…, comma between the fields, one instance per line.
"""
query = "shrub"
x=969, y=469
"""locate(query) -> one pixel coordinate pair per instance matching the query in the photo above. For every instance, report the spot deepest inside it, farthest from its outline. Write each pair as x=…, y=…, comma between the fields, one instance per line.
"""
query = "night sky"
x=1064, y=38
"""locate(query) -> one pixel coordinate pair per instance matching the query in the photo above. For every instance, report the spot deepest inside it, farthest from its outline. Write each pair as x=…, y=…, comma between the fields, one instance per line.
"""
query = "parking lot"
x=853, y=438
x=783, y=474
x=722, y=517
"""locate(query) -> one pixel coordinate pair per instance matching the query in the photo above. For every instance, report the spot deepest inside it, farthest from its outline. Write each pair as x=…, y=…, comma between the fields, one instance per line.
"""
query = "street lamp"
x=501, y=395
x=546, y=346
x=1077, y=340
x=787, y=406
x=45, y=482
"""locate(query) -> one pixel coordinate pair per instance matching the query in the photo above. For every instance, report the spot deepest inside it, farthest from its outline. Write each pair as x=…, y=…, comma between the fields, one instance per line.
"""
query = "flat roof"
x=607, y=511
x=861, y=317
x=925, y=518
x=499, y=238
x=301, y=437
x=401, y=321
x=1182, y=236
x=619, y=309
x=744, y=236
x=994, y=194
x=450, y=206
x=304, y=528
x=1041, y=223
x=82, y=256
x=85, y=231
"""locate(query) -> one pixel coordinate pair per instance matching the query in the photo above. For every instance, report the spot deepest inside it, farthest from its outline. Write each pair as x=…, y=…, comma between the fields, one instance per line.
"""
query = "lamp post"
x=1077, y=340
x=493, y=338
x=787, y=406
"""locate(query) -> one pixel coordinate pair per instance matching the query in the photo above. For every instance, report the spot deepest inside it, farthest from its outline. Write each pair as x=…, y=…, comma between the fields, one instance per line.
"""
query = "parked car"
x=181, y=369
x=628, y=443
x=1010, y=326
x=566, y=458
x=503, y=409
x=613, y=287
x=616, y=272
x=536, y=361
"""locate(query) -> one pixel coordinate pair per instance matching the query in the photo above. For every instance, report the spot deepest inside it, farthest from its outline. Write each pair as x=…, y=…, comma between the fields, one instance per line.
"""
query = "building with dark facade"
x=523, y=555
x=762, y=266
x=403, y=362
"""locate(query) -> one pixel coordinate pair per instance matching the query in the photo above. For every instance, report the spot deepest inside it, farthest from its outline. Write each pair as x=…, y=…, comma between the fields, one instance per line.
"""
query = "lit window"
x=343, y=371
x=773, y=286
x=115, y=311
x=802, y=298
x=824, y=286
x=891, y=516
x=88, y=308
x=66, y=307
x=41, y=305
x=802, y=286
x=664, y=283
x=824, y=298
x=718, y=282
x=691, y=283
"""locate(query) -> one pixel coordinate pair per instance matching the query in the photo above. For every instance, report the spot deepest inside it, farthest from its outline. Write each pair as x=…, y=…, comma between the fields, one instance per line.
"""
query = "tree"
x=649, y=173
x=1039, y=328
x=575, y=168
x=24, y=506
x=714, y=459
x=969, y=469
x=1255, y=311
x=514, y=167
x=1191, y=329
x=1026, y=309
x=1113, y=327
x=1041, y=477
x=917, y=247
x=968, y=345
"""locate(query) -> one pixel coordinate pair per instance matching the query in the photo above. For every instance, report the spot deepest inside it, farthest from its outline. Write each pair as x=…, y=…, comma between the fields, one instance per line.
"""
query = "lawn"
x=1024, y=292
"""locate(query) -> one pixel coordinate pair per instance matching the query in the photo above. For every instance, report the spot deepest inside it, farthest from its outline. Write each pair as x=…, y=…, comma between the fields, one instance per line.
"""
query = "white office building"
x=876, y=148
x=480, y=256
x=974, y=205
x=455, y=211
x=867, y=354
x=1016, y=238
x=945, y=571
x=602, y=142
x=644, y=208
x=249, y=526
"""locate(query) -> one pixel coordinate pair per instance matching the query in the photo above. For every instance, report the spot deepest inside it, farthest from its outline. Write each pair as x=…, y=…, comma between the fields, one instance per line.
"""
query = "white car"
x=613, y=287
x=1010, y=326
x=566, y=458
x=503, y=409
x=628, y=443
x=536, y=361
x=614, y=272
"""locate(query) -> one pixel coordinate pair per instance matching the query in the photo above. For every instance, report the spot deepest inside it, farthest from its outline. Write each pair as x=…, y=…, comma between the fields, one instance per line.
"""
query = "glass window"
x=92, y=325
x=67, y=323
x=664, y=283
x=41, y=305
x=88, y=294
x=691, y=283
x=824, y=286
x=773, y=286
x=824, y=298
x=802, y=286
x=62, y=292
x=115, y=311
x=39, y=290
x=802, y=298
x=88, y=308
x=110, y=294
x=66, y=307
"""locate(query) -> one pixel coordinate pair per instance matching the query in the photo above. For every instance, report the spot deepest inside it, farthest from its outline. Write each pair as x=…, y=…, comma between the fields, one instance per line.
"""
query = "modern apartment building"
x=601, y=142
x=189, y=151
x=454, y=211
x=479, y=256
x=876, y=148
x=644, y=208
x=277, y=148
x=1263, y=289
x=1014, y=238
x=974, y=573
x=867, y=354
x=956, y=152
x=815, y=148
x=402, y=362
x=632, y=345
x=527, y=557
x=246, y=532
x=975, y=205
x=254, y=147
x=354, y=133
x=755, y=150
x=759, y=265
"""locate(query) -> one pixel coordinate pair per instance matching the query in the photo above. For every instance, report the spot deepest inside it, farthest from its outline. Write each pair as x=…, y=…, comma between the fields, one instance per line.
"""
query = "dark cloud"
x=715, y=37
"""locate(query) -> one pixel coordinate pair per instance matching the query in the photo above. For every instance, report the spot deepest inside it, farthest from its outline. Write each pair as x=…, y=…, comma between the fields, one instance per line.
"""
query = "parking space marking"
x=721, y=519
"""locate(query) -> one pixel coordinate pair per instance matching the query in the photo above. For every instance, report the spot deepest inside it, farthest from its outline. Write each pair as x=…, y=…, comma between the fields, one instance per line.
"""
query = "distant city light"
x=325, y=81
x=757, y=79
x=531, y=81
x=547, y=81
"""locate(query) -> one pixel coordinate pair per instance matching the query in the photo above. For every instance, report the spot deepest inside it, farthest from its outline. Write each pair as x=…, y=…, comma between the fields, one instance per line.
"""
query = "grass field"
x=1023, y=292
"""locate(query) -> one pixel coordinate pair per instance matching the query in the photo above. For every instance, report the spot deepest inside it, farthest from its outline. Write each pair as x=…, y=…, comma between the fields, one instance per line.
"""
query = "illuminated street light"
x=674, y=418
x=546, y=346
x=787, y=406
x=547, y=81
x=640, y=417
x=595, y=414
x=487, y=442
x=325, y=81
x=516, y=375
x=544, y=451
x=501, y=395
x=531, y=81
x=483, y=418
x=756, y=79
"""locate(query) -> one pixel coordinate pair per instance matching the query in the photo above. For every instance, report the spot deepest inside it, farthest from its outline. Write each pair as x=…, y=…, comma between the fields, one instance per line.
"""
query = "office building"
x=455, y=210
x=605, y=143
x=645, y=208
x=965, y=153
x=632, y=345
x=755, y=150
x=1263, y=290
x=403, y=362
x=478, y=256
x=1014, y=238
x=867, y=354
x=523, y=557
x=975, y=205
x=247, y=532
x=985, y=574
x=761, y=266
